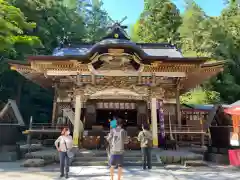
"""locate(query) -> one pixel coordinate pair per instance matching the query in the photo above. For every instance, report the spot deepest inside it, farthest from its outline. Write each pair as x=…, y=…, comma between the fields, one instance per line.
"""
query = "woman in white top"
x=63, y=144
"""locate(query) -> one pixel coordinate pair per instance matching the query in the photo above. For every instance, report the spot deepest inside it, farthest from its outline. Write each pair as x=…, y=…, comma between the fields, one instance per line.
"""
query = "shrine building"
x=140, y=82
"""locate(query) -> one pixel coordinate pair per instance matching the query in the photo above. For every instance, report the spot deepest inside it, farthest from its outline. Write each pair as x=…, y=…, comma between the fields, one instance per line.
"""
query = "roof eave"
x=17, y=62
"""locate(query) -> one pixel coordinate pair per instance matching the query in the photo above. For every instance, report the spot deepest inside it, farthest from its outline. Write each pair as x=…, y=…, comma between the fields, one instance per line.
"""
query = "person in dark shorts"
x=145, y=139
x=117, y=138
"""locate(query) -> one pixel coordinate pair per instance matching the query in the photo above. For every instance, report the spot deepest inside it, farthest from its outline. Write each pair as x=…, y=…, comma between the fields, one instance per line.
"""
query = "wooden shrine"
x=116, y=74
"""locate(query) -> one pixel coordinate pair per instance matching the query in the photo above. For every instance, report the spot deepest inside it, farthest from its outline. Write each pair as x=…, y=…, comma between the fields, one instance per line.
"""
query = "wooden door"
x=90, y=118
x=142, y=113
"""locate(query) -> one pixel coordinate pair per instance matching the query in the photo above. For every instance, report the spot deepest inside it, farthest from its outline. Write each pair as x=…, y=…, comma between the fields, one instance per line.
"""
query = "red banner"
x=234, y=157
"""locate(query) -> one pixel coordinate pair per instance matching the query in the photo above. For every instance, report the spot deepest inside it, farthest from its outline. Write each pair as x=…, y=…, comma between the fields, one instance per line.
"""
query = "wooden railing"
x=47, y=126
x=183, y=129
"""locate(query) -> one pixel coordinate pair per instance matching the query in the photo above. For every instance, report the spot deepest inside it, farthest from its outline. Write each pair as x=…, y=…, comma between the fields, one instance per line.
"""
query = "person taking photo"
x=145, y=139
x=117, y=138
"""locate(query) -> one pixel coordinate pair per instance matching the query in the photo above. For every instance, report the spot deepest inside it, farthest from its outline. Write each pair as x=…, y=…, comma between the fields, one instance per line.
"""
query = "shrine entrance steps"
x=100, y=158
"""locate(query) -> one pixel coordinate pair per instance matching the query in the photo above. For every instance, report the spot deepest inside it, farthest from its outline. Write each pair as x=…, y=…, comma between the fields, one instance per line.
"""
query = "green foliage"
x=96, y=20
x=55, y=20
x=228, y=40
x=159, y=22
x=191, y=31
x=134, y=32
x=13, y=23
x=200, y=96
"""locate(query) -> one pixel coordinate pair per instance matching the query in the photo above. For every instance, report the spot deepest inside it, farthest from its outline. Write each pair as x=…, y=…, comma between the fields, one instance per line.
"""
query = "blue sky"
x=117, y=9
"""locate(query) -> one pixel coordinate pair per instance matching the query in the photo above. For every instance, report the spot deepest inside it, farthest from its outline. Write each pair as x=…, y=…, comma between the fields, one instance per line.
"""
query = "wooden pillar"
x=178, y=108
x=154, y=121
x=202, y=133
x=77, y=123
x=29, y=134
x=54, y=113
x=54, y=107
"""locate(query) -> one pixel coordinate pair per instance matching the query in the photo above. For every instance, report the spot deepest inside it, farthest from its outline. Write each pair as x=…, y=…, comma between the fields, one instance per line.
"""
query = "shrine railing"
x=187, y=129
x=47, y=126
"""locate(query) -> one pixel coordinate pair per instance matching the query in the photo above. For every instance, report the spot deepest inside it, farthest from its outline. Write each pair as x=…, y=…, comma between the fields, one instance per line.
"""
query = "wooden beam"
x=114, y=73
x=54, y=106
x=178, y=106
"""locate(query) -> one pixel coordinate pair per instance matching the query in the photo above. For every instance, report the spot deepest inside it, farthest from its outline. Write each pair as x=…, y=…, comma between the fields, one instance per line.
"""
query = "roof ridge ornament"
x=117, y=31
x=117, y=23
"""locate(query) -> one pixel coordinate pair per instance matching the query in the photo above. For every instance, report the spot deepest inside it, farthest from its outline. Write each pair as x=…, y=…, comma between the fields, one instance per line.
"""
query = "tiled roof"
x=149, y=49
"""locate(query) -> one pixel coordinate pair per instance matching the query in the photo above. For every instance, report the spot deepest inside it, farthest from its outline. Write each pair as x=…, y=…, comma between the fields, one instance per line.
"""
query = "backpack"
x=147, y=142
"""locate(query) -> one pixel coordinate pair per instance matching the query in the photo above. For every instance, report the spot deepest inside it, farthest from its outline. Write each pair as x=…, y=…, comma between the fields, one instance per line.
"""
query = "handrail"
x=47, y=126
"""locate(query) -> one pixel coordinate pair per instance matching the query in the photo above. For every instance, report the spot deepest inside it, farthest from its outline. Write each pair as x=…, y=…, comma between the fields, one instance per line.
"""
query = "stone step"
x=179, y=159
x=217, y=158
x=104, y=158
x=104, y=154
x=105, y=163
x=195, y=163
x=8, y=156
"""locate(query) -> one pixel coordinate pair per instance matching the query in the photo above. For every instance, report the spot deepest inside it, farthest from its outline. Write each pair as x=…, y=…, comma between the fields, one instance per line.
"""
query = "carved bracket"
x=157, y=92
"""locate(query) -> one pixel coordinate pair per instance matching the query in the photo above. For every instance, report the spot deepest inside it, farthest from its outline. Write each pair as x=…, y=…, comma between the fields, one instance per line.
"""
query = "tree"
x=190, y=29
x=55, y=21
x=228, y=40
x=197, y=31
x=13, y=24
x=159, y=22
x=96, y=21
x=134, y=32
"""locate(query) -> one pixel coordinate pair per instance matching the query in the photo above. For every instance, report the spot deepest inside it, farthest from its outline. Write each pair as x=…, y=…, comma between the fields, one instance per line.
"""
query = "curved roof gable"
x=118, y=38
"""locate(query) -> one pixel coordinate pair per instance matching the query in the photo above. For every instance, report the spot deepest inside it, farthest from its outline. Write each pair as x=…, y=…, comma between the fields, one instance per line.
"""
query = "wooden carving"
x=141, y=90
x=158, y=92
x=116, y=62
x=170, y=93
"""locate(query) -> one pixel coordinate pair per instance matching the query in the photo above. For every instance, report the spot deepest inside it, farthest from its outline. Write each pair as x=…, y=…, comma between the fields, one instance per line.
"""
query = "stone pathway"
x=204, y=173
x=12, y=171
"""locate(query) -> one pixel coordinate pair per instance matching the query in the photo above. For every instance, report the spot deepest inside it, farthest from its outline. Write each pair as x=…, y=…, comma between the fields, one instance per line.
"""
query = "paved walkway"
x=11, y=171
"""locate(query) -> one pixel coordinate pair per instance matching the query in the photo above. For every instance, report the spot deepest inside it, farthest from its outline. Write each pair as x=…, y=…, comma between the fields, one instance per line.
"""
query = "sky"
x=118, y=9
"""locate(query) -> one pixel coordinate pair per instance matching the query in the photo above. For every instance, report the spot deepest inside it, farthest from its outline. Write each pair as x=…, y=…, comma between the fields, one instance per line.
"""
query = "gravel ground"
x=12, y=171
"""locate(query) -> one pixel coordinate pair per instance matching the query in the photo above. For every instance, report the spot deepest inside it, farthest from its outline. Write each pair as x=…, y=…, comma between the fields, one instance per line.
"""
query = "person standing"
x=145, y=139
x=63, y=144
x=117, y=138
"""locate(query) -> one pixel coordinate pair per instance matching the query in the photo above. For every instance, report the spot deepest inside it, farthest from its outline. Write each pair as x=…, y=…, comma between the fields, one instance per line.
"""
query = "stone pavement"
x=12, y=171
x=214, y=172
